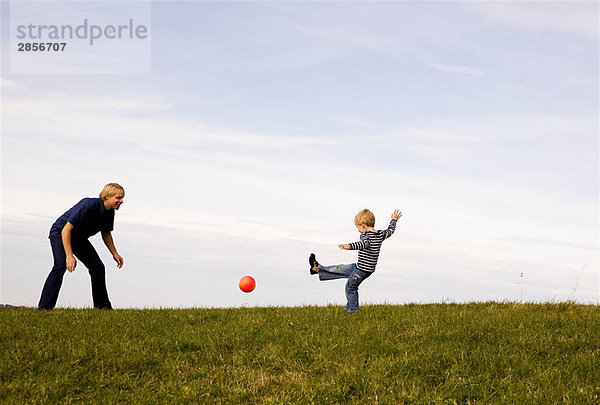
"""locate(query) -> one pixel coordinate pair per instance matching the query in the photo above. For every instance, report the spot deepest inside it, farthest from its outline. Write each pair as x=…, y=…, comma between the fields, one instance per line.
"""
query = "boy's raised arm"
x=390, y=231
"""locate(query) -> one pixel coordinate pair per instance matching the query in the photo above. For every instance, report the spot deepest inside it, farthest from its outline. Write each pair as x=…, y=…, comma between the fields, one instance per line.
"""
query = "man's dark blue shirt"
x=88, y=217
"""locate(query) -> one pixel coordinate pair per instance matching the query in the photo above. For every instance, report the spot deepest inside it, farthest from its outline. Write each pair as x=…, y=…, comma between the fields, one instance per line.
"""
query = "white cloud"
x=458, y=69
x=567, y=17
x=146, y=130
x=132, y=120
x=361, y=40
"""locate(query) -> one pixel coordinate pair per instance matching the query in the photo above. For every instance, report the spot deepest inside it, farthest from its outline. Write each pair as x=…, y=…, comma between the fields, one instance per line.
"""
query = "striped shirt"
x=369, y=246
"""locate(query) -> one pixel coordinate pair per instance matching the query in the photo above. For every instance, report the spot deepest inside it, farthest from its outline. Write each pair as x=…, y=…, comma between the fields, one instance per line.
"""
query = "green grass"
x=415, y=354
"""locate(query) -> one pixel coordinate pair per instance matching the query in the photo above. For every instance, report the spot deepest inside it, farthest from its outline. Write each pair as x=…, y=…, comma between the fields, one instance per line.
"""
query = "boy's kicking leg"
x=335, y=272
x=330, y=272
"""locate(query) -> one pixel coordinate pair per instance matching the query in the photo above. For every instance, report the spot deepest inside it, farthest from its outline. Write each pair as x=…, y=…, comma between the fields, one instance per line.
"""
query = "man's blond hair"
x=364, y=217
x=111, y=190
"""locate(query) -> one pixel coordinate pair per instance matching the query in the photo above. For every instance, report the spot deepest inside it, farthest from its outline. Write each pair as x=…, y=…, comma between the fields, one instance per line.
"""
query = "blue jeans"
x=86, y=253
x=354, y=276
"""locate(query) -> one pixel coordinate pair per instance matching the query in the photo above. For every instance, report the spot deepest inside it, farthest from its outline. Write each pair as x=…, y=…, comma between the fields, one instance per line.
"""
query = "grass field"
x=414, y=354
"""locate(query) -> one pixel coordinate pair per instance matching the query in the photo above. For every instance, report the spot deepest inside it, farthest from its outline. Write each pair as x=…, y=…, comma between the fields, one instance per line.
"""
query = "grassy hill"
x=414, y=354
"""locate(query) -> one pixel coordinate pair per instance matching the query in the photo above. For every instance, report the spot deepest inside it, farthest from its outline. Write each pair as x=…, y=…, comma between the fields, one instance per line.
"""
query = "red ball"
x=247, y=284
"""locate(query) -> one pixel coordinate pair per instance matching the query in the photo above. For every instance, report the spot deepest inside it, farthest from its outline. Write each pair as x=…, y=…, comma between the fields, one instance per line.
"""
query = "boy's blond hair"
x=111, y=190
x=364, y=217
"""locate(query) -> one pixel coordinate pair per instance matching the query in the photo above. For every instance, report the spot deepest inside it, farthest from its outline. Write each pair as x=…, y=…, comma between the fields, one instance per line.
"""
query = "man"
x=69, y=239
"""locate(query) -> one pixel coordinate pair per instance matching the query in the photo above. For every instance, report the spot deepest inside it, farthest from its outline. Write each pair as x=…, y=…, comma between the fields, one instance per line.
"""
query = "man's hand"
x=396, y=215
x=119, y=260
x=344, y=246
x=71, y=263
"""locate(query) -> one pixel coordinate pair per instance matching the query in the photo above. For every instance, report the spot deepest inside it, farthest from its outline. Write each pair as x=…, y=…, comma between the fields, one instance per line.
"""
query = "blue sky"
x=261, y=128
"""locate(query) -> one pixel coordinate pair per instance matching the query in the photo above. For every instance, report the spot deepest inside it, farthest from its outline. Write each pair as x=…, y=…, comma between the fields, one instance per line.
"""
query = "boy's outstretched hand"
x=396, y=214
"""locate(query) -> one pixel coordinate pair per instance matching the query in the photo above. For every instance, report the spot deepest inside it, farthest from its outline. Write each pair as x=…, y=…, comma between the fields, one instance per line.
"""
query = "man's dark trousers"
x=85, y=252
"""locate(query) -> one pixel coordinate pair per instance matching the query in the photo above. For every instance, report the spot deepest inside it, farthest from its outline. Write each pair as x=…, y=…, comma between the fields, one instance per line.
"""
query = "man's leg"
x=54, y=281
x=335, y=272
x=89, y=257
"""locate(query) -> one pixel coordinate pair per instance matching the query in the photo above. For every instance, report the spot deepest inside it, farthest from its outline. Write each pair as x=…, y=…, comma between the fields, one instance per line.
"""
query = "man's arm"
x=66, y=240
x=110, y=244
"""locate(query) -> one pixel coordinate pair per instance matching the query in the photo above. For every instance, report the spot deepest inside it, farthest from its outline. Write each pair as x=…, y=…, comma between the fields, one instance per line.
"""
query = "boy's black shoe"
x=314, y=264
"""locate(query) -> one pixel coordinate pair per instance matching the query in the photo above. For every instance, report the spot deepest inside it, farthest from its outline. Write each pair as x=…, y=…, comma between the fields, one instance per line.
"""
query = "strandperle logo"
x=87, y=31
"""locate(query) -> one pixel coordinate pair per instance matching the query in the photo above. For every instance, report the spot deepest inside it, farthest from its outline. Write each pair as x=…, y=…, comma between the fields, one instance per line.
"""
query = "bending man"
x=69, y=239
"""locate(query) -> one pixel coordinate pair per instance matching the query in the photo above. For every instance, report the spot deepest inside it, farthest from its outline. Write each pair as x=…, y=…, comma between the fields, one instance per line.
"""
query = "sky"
x=248, y=134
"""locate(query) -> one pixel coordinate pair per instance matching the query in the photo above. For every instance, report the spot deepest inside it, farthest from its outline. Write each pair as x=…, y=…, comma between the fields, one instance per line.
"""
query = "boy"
x=69, y=238
x=368, y=252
